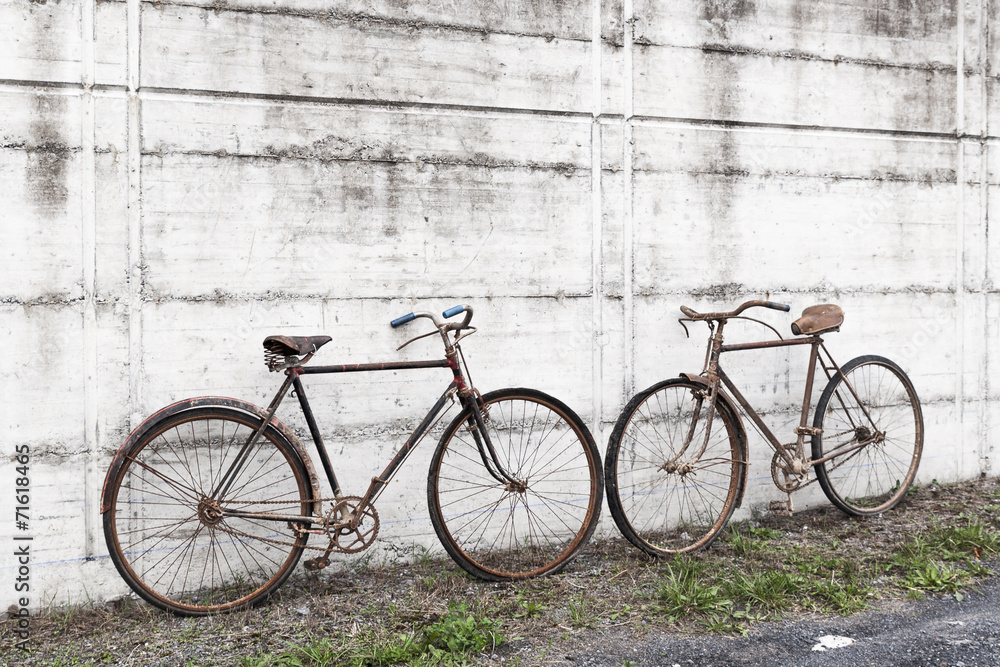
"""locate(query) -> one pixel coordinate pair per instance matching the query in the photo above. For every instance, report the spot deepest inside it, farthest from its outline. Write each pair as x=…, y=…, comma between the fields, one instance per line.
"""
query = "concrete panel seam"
x=628, y=219
x=882, y=177
x=813, y=57
x=366, y=20
x=729, y=291
x=388, y=105
x=42, y=301
x=88, y=185
x=359, y=155
x=832, y=129
x=10, y=85
x=225, y=297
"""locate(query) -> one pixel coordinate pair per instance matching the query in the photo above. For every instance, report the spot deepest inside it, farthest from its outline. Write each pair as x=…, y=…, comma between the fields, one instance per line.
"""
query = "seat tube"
x=317, y=437
x=804, y=429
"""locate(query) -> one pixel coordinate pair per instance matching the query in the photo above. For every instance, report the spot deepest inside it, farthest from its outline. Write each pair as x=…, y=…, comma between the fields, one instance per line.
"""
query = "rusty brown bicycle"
x=210, y=502
x=676, y=463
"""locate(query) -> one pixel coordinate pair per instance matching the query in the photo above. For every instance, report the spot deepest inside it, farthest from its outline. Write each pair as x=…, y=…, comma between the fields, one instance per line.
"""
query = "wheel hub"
x=209, y=511
x=676, y=468
x=516, y=486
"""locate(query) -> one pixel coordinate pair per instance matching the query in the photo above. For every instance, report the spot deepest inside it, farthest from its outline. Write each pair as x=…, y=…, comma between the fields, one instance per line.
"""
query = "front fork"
x=477, y=426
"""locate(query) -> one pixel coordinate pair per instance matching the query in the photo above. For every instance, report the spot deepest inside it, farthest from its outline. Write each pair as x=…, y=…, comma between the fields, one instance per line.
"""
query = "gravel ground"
x=602, y=610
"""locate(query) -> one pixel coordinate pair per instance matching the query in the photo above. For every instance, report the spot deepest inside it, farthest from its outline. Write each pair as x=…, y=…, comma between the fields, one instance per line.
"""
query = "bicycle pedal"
x=317, y=563
x=781, y=507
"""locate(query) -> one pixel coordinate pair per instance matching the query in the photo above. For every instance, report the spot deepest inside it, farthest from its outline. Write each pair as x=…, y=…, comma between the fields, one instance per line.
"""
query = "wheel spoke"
x=533, y=524
x=675, y=489
x=871, y=425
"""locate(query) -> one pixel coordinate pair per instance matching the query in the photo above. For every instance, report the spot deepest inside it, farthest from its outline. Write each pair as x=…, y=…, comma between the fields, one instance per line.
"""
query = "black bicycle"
x=210, y=502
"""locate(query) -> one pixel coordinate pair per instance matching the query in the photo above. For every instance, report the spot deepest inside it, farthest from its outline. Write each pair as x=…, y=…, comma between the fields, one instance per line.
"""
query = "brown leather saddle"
x=286, y=346
x=819, y=319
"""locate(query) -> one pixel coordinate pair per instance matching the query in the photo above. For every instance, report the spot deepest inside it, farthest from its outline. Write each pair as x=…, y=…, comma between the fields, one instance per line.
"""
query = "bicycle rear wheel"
x=872, y=426
x=499, y=530
x=171, y=541
x=669, y=490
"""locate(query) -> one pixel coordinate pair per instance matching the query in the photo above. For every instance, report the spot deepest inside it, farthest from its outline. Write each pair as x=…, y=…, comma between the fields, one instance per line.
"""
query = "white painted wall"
x=181, y=180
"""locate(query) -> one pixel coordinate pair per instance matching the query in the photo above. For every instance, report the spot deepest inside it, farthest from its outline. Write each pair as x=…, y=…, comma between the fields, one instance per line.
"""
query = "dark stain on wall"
x=719, y=13
x=48, y=155
x=912, y=19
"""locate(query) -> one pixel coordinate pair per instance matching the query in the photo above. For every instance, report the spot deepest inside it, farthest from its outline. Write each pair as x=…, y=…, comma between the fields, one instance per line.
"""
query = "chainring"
x=352, y=527
x=783, y=479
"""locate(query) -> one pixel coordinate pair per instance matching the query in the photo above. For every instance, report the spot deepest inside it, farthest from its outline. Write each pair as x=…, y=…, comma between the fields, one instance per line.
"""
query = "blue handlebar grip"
x=399, y=321
x=454, y=310
x=779, y=306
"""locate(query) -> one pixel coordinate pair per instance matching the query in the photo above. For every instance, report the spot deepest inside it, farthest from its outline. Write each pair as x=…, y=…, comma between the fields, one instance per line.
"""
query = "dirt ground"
x=600, y=610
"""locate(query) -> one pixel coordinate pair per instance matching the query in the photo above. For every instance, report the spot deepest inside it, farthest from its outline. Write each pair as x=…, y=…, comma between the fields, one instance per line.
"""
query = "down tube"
x=378, y=483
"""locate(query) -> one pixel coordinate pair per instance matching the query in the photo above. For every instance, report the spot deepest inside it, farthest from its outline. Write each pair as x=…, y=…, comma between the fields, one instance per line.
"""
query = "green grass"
x=768, y=578
x=687, y=589
x=769, y=591
x=958, y=542
x=746, y=539
x=580, y=615
x=454, y=639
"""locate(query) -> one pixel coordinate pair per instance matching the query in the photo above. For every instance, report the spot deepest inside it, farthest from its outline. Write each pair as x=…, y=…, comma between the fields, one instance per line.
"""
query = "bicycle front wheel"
x=872, y=430
x=533, y=523
x=173, y=542
x=671, y=489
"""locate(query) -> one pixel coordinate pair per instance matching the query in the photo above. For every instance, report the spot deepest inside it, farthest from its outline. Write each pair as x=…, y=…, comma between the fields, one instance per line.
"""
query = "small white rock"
x=827, y=642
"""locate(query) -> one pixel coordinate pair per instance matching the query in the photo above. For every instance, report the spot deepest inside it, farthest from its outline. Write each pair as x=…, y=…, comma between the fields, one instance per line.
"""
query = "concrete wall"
x=182, y=179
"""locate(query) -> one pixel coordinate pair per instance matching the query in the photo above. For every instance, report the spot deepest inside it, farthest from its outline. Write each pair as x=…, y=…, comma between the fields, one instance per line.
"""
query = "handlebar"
x=441, y=325
x=690, y=314
x=400, y=321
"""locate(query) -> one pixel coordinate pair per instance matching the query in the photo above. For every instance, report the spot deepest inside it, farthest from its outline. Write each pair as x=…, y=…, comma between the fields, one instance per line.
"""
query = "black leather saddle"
x=286, y=346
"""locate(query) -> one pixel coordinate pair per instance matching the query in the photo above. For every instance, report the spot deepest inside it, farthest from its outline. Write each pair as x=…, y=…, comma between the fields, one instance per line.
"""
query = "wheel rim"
x=174, y=546
x=532, y=523
x=674, y=498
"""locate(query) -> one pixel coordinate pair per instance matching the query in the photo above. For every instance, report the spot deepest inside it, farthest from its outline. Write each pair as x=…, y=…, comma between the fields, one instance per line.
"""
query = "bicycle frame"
x=818, y=351
x=458, y=386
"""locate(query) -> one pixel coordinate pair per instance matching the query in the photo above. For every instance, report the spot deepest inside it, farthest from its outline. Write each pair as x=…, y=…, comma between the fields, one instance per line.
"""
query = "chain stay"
x=321, y=520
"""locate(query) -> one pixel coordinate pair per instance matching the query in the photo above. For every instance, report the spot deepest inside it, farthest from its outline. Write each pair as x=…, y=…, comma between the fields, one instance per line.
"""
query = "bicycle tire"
x=874, y=478
x=159, y=527
x=496, y=531
x=651, y=495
